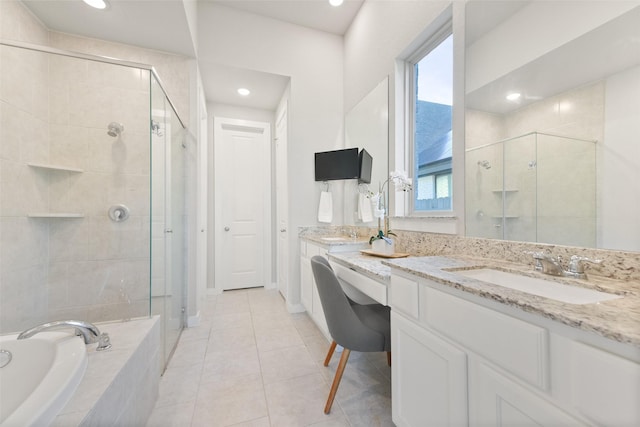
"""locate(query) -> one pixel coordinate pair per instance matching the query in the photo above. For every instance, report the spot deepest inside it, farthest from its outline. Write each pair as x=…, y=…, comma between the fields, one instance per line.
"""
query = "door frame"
x=265, y=191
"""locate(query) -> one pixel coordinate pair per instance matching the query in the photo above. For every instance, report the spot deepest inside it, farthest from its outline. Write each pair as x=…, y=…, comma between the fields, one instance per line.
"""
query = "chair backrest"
x=344, y=325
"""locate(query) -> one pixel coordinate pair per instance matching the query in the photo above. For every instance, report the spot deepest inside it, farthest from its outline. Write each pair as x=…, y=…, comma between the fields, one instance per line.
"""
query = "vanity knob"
x=227, y=229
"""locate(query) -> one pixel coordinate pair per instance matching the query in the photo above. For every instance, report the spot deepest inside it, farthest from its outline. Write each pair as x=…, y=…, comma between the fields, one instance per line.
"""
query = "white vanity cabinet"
x=309, y=296
x=461, y=360
x=429, y=377
x=308, y=291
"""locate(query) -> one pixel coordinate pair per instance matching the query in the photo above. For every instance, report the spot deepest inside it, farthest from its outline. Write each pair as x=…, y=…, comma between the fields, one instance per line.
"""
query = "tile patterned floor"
x=251, y=363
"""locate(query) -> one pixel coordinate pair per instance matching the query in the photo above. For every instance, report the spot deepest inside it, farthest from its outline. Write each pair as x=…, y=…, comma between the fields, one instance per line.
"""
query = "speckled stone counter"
x=368, y=265
x=618, y=319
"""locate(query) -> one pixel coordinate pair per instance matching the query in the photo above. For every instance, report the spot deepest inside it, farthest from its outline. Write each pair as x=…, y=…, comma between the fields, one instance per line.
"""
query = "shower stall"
x=519, y=189
x=92, y=208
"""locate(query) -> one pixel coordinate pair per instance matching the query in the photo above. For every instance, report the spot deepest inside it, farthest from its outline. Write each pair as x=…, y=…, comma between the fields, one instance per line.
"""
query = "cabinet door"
x=496, y=400
x=306, y=284
x=429, y=377
x=318, y=313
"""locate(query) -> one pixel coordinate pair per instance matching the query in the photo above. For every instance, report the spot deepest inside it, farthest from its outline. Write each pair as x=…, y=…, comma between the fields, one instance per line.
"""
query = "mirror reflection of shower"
x=115, y=129
x=155, y=128
x=484, y=163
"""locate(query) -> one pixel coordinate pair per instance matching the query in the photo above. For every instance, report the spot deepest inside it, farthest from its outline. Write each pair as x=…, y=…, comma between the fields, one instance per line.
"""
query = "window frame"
x=440, y=35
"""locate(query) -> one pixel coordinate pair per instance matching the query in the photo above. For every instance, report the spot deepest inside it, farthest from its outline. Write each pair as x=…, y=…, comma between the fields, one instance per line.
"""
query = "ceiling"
x=144, y=23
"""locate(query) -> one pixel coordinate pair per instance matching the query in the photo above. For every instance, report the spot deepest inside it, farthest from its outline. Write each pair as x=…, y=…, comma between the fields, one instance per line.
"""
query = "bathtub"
x=41, y=377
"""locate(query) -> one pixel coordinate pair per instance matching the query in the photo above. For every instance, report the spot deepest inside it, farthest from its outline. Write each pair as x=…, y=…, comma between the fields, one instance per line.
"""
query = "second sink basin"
x=540, y=287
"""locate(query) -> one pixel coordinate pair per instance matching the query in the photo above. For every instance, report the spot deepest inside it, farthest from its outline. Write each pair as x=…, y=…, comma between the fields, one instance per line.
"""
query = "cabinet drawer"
x=366, y=285
x=403, y=295
x=517, y=346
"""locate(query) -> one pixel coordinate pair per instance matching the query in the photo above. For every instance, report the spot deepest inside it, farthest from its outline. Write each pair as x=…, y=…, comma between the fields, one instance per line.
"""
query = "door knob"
x=227, y=229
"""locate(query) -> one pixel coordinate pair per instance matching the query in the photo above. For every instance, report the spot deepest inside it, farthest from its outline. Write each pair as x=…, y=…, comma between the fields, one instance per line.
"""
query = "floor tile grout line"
x=264, y=390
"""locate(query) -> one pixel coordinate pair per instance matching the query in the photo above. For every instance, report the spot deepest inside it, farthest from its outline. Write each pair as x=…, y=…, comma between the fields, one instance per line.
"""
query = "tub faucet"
x=90, y=333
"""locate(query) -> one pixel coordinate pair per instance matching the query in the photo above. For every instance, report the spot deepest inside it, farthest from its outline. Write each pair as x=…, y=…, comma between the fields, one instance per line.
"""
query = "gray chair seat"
x=359, y=327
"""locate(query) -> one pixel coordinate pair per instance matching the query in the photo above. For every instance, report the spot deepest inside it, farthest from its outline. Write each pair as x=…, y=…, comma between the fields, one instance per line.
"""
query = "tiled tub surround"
x=120, y=385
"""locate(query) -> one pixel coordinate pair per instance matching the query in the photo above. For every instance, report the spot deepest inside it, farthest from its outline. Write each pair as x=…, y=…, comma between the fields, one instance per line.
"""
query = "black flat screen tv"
x=366, y=163
x=337, y=164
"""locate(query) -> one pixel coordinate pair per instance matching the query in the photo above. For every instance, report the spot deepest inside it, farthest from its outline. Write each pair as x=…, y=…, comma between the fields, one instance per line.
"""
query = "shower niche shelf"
x=55, y=215
x=54, y=167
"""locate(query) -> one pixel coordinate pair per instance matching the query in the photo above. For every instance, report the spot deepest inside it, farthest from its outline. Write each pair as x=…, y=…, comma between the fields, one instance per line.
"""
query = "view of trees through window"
x=432, y=150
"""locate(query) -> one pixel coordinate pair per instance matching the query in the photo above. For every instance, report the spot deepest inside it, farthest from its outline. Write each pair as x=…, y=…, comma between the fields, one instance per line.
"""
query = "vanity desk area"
x=467, y=351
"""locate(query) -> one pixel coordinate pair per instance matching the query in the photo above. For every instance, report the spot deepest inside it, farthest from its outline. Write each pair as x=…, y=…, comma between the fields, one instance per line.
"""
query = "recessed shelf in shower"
x=55, y=215
x=55, y=167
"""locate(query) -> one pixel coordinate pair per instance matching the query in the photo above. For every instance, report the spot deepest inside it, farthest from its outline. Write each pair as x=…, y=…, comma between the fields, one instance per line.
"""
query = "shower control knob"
x=118, y=213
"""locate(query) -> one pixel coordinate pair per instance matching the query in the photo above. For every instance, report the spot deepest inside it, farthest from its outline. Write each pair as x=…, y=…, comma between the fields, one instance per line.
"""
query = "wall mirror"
x=367, y=126
x=552, y=135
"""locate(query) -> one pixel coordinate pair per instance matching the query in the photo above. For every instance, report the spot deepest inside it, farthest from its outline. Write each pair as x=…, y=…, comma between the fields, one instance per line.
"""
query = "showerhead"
x=115, y=129
x=484, y=163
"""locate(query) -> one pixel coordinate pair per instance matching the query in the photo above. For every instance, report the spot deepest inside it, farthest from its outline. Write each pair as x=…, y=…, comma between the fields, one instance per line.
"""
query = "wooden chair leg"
x=336, y=379
x=330, y=353
x=389, y=358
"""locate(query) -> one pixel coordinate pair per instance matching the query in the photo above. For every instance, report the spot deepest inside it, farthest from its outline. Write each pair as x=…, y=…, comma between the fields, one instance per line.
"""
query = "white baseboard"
x=295, y=308
x=213, y=291
x=193, y=321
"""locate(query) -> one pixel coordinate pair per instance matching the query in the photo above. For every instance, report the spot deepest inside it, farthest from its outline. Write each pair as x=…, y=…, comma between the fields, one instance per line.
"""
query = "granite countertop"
x=618, y=319
x=368, y=265
x=335, y=240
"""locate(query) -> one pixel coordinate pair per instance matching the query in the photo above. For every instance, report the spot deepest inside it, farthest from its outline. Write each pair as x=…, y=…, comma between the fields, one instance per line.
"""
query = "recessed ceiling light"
x=98, y=4
x=244, y=91
x=335, y=3
x=513, y=96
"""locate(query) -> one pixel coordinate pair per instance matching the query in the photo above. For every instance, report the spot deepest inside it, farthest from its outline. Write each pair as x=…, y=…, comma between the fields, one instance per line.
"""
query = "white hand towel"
x=325, y=209
x=364, y=208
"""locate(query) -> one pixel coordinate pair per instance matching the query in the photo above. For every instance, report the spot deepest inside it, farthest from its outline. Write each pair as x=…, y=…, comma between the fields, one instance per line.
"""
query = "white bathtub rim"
x=58, y=385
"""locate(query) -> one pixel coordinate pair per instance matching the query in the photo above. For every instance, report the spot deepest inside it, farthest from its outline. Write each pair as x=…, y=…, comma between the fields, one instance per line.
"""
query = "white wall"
x=619, y=163
x=382, y=33
x=313, y=61
x=548, y=25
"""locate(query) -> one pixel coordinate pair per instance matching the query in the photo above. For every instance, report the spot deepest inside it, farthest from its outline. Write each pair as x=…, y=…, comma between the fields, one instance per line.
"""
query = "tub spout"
x=90, y=333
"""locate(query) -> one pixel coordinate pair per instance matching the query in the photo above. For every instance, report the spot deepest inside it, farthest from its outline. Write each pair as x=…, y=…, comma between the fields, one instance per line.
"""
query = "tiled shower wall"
x=89, y=268
x=577, y=113
x=90, y=257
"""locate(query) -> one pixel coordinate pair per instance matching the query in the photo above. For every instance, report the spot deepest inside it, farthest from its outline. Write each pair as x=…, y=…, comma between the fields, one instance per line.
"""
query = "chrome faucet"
x=549, y=264
x=576, y=266
x=90, y=333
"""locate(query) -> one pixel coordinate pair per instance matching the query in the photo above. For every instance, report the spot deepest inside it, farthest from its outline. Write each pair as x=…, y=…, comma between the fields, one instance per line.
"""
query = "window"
x=430, y=99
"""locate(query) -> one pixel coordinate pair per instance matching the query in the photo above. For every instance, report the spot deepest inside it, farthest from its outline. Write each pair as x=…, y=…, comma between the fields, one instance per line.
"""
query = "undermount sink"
x=336, y=239
x=540, y=287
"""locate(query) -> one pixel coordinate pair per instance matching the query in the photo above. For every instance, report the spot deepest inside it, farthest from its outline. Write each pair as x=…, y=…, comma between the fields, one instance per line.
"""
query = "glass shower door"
x=168, y=284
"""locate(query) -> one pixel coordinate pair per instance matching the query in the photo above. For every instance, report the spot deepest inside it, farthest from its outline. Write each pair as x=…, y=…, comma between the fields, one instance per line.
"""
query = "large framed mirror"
x=367, y=127
x=552, y=122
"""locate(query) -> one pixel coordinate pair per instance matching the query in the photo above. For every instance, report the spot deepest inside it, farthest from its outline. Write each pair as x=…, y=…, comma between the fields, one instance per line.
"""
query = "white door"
x=242, y=199
x=281, y=203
